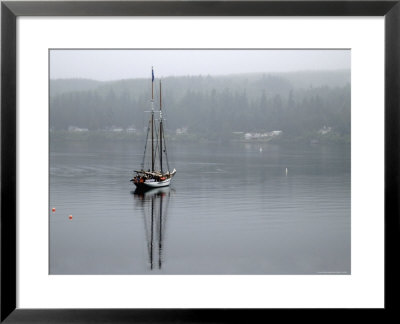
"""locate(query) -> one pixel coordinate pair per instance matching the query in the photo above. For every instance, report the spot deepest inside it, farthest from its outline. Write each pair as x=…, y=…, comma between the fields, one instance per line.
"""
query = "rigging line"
x=156, y=95
x=165, y=144
x=145, y=146
x=166, y=155
x=156, y=148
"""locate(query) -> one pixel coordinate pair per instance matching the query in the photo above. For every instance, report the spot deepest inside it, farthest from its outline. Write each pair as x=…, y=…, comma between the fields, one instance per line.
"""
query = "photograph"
x=199, y=161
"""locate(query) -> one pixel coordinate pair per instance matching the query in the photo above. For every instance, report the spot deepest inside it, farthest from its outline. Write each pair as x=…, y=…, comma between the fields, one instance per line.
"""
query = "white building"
x=75, y=129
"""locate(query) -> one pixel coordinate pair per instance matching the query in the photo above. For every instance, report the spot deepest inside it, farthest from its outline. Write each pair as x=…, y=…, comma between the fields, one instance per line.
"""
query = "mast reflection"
x=154, y=204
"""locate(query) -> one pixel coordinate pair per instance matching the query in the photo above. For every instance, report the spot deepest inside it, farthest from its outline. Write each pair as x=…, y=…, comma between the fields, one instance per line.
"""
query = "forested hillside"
x=211, y=107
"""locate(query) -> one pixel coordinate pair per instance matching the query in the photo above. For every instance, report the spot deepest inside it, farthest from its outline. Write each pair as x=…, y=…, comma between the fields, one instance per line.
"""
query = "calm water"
x=231, y=209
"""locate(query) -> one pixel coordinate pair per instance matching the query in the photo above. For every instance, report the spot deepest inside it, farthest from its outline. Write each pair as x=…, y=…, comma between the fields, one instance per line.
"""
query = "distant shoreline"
x=97, y=136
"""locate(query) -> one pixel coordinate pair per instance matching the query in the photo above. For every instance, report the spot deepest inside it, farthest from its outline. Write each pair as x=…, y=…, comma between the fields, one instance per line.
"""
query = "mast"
x=161, y=131
x=152, y=119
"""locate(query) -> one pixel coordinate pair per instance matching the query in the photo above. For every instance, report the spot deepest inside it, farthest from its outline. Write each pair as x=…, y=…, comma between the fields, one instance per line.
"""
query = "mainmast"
x=152, y=119
x=161, y=131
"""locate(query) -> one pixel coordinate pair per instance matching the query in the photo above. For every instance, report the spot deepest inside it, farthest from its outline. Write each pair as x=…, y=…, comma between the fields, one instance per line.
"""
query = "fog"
x=302, y=93
x=107, y=65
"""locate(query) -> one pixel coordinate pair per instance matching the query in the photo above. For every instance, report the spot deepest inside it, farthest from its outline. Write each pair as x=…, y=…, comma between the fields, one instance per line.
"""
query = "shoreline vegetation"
x=313, y=138
x=309, y=107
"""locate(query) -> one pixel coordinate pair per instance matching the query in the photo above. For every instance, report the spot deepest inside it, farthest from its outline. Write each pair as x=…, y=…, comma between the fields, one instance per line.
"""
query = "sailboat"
x=158, y=173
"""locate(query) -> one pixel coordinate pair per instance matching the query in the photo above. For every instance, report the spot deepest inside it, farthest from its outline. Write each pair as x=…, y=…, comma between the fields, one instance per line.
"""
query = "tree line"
x=213, y=107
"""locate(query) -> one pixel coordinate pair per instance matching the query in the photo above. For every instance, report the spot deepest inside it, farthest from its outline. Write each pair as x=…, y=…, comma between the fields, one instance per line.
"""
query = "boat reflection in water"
x=154, y=204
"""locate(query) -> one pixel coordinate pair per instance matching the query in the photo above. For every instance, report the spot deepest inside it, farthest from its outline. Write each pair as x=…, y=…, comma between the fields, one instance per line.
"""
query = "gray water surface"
x=231, y=209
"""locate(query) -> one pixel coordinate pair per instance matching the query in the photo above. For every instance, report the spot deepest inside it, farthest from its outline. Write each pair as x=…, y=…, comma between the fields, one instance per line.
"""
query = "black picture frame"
x=10, y=10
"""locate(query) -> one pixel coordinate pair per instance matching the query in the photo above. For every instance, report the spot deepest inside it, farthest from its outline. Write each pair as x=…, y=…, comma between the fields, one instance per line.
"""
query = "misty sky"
x=107, y=65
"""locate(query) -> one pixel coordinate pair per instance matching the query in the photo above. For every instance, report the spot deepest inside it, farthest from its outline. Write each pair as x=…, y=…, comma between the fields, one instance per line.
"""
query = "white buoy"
x=260, y=149
x=286, y=171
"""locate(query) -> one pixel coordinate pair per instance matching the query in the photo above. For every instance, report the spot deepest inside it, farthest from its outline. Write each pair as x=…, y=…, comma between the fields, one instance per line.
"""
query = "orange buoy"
x=53, y=210
x=70, y=216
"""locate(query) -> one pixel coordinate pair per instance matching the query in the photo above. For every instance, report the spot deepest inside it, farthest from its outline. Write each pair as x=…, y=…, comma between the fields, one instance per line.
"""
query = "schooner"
x=158, y=173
